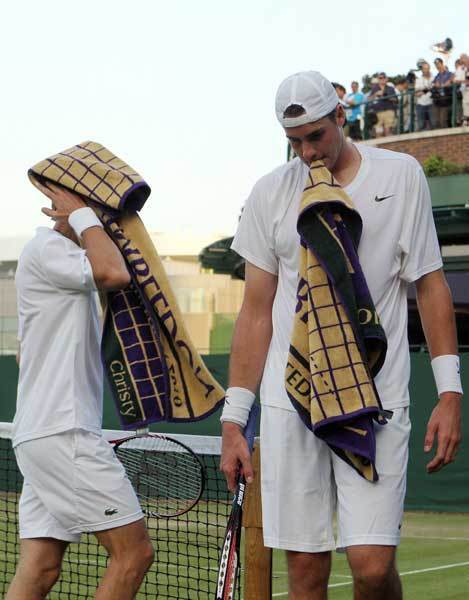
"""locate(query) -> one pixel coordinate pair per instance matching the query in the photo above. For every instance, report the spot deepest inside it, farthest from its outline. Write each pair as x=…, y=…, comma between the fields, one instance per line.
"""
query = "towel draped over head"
x=152, y=367
x=338, y=344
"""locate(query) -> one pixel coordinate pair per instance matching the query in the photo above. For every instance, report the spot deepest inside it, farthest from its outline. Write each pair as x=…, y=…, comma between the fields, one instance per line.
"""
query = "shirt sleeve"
x=254, y=239
x=66, y=265
x=419, y=242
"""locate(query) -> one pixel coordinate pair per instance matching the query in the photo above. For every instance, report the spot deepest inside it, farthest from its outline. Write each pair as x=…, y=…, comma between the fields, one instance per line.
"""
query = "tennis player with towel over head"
x=73, y=482
x=332, y=239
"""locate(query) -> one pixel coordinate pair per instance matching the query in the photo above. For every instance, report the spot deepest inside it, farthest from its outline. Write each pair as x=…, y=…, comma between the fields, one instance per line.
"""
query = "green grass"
x=429, y=541
x=187, y=555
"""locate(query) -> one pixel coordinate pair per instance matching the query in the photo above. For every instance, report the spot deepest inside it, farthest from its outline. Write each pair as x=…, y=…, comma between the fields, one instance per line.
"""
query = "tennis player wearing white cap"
x=303, y=481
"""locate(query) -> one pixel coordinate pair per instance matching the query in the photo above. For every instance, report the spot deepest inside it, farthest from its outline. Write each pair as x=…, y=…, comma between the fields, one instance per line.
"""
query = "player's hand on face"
x=444, y=426
x=64, y=202
x=235, y=455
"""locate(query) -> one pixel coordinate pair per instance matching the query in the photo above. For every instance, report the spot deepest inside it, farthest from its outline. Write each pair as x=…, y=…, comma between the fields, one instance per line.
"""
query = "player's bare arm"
x=437, y=315
x=251, y=339
x=109, y=270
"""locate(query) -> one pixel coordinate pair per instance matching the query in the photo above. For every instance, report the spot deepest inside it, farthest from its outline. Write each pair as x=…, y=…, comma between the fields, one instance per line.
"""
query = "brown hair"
x=295, y=110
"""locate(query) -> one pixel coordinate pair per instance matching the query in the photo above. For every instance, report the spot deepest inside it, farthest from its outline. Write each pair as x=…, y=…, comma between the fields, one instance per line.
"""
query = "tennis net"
x=187, y=547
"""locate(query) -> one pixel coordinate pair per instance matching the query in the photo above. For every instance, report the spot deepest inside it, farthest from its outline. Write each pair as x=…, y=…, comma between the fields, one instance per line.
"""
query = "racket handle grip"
x=250, y=429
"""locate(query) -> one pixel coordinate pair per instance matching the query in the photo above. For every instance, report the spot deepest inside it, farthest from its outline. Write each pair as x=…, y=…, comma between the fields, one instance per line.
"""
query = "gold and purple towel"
x=153, y=369
x=337, y=344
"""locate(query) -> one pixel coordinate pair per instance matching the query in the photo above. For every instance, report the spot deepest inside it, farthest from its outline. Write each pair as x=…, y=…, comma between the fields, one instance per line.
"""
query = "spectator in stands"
x=384, y=105
x=464, y=58
x=341, y=92
x=423, y=95
x=402, y=88
x=442, y=94
x=460, y=81
x=369, y=113
x=355, y=101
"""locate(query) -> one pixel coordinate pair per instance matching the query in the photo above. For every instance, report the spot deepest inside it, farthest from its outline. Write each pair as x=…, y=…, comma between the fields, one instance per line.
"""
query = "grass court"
x=433, y=560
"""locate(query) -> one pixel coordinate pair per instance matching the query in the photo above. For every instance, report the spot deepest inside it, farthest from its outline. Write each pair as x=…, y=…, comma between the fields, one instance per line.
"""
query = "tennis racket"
x=229, y=560
x=167, y=476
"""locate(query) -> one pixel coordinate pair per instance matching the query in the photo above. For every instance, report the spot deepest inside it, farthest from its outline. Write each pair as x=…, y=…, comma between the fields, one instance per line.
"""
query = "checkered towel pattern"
x=94, y=172
x=338, y=344
x=153, y=369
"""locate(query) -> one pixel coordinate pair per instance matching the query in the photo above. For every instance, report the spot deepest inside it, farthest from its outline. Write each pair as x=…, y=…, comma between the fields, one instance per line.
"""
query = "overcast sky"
x=184, y=90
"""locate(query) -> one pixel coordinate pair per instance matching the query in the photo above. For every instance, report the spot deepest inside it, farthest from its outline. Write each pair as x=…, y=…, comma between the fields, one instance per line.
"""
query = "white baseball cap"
x=310, y=90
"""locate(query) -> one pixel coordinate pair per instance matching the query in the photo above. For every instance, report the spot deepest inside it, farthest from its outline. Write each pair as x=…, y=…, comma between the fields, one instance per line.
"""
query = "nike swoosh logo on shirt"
x=378, y=199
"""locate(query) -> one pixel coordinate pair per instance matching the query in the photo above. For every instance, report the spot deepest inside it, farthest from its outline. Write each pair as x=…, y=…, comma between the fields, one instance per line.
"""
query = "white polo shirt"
x=398, y=245
x=60, y=380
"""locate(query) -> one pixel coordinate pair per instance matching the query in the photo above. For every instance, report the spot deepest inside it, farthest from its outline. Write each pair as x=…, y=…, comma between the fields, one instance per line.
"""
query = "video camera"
x=411, y=75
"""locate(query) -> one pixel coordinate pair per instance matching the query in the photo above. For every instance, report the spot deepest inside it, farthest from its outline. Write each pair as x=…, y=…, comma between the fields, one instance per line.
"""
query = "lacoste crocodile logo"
x=378, y=199
x=110, y=511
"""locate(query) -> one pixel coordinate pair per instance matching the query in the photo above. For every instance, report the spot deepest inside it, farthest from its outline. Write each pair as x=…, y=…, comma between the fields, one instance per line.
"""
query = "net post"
x=257, y=558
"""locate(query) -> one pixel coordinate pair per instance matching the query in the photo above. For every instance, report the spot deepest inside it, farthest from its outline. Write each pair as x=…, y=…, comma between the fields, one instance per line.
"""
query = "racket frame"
x=228, y=575
x=144, y=432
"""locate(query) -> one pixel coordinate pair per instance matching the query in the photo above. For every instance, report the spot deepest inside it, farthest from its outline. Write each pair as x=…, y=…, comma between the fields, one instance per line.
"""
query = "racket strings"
x=145, y=463
x=167, y=477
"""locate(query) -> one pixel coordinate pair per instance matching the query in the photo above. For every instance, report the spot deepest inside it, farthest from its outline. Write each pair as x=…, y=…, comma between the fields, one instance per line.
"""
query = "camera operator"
x=424, y=101
x=442, y=94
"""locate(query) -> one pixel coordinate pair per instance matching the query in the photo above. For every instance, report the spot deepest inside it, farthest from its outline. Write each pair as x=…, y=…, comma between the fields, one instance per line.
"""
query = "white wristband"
x=446, y=373
x=83, y=218
x=238, y=403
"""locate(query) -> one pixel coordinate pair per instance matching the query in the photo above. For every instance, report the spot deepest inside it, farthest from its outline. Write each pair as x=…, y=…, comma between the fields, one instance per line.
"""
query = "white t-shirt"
x=61, y=380
x=424, y=83
x=460, y=75
x=398, y=246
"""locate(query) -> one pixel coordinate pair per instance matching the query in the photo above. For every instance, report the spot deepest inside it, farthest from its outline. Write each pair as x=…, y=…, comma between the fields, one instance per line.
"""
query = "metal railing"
x=368, y=110
x=408, y=100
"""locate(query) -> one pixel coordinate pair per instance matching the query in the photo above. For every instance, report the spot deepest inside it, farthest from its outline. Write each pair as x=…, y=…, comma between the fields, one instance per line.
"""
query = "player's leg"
x=298, y=500
x=130, y=556
x=110, y=509
x=308, y=575
x=374, y=572
x=38, y=568
x=83, y=484
x=370, y=514
x=42, y=545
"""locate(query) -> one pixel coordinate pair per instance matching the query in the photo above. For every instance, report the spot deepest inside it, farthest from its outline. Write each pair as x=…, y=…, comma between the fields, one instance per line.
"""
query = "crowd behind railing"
x=419, y=101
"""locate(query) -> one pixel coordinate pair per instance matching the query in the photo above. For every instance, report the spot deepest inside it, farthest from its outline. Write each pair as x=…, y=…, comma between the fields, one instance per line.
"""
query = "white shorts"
x=73, y=482
x=304, y=483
